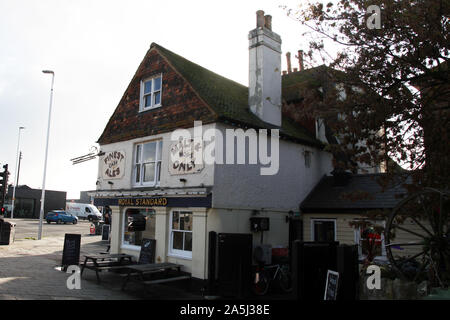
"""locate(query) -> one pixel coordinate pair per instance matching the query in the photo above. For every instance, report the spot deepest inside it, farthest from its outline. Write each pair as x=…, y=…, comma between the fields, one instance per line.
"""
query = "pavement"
x=29, y=270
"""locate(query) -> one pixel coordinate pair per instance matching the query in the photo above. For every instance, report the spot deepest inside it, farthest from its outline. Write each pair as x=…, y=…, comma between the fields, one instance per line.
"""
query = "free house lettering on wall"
x=182, y=157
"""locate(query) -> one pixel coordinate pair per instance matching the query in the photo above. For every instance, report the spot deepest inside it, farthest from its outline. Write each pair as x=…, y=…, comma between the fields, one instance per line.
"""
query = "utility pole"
x=41, y=213
x=16, y=178
x=18, y=168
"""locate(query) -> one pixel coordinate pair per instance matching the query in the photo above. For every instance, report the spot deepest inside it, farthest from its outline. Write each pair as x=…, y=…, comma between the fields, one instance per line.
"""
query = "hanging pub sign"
x=113, y=165
x=186, y=156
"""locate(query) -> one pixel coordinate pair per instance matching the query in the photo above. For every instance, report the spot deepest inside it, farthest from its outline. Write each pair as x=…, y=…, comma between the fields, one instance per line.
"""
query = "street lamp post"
x=16, y=177
x=41, y=213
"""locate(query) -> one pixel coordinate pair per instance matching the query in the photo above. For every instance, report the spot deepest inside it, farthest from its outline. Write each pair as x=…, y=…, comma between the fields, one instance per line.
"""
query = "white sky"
x=95, y=47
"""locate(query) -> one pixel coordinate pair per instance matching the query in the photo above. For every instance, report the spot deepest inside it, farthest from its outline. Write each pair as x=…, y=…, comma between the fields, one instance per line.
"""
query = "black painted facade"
x=28, y=201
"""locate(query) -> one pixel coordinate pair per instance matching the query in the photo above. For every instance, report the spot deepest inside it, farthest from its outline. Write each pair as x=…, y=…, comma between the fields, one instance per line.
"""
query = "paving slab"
x=30, y=270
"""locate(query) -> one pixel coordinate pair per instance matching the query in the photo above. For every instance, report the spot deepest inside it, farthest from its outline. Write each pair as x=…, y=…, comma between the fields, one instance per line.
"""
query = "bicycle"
x=265, y=275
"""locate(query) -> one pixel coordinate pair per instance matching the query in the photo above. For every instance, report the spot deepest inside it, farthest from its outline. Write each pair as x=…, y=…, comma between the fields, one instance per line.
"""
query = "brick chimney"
x=288, y=61
x=265, y=70
x=300, y=60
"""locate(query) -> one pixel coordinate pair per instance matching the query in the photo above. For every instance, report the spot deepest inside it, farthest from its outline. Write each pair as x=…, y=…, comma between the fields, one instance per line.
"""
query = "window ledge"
x=130, y=247
x=148, y=109
x=174, y=255
x=135, y=186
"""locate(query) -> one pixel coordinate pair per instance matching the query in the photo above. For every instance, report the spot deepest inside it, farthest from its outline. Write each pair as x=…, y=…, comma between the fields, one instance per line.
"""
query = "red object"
x=92, y=229
x=280, y=252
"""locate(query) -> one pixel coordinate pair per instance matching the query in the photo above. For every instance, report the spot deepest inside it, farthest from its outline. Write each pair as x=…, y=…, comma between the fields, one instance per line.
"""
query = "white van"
x=83, y=211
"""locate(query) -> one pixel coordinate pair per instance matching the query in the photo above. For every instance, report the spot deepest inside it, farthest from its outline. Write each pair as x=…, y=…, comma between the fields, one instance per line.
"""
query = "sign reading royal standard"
x=159, y=201
x=142, y=202
x=113, y=165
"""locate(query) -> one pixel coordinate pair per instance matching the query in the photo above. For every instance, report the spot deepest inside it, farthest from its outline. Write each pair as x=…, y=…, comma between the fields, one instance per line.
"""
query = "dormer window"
x=151, y=93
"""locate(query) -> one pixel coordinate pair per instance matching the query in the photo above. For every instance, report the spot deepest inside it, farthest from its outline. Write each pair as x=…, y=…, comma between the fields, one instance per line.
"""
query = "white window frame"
x=142, y=106
x=122, y=231
x=180, y=253
x=357, y=233
x=158, y=159
x=326, y=220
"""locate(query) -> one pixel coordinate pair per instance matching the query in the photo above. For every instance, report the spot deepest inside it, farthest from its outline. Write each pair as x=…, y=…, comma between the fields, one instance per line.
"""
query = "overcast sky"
x=95, y=47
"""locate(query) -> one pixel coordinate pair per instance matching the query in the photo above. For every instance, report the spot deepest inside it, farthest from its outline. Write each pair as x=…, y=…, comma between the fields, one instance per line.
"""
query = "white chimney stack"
x=265, y=71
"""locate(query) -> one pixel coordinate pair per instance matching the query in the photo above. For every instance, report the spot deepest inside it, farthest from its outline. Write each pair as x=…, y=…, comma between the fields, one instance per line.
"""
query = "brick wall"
x=180, y=105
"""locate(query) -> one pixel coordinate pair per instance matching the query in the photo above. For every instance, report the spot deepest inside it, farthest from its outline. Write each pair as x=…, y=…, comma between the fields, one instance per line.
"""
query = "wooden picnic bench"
x=141, y=270
x=99, y=262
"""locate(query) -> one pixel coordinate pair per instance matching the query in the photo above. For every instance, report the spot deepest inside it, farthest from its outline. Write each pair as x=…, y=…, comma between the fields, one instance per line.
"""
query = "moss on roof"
x=229, y=99
x=295, y=83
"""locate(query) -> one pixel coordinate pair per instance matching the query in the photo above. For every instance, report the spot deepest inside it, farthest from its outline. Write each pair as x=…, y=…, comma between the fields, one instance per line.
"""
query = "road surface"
x=28, y=228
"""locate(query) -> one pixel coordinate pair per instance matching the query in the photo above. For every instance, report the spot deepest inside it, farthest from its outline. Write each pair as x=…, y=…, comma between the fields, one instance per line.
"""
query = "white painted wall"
x=205, y=176
x=242, y=186
x=265, y=75
x=238, y=221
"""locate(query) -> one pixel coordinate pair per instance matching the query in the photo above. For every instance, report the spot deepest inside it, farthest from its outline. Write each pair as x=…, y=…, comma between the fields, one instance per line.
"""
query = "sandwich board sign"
x=147, y=254
x=331, y=286
x=71, y=250
x=105, y=231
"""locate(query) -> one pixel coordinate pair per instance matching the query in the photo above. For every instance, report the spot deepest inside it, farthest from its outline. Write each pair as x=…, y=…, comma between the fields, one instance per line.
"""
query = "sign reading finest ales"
x=113, y=165
x=138, y=202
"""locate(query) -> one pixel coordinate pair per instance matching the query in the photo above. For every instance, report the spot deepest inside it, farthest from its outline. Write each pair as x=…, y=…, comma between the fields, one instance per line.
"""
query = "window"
x=370, y=240
x=150, y=93
x=138, y=224
x=147, y=163
x=181, y=234
x=323, y=230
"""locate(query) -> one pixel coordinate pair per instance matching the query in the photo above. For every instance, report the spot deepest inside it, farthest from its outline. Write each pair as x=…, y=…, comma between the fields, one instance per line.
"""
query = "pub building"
x=179, y=201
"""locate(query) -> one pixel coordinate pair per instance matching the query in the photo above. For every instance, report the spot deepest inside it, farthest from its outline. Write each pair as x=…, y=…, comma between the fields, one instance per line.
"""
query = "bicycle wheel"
x=261, y=283
x=285, y=279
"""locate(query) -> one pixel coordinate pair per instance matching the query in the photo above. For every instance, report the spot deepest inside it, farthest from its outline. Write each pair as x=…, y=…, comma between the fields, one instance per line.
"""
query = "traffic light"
x=3, y=185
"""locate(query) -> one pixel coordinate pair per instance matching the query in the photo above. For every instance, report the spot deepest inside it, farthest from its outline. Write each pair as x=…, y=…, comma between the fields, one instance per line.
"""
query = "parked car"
x=83, y=211
x=61, y=217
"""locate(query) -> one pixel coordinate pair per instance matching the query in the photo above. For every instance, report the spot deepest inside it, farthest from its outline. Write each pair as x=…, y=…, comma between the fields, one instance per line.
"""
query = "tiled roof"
x=328, y=196
x=229, y=99
x=295, y=83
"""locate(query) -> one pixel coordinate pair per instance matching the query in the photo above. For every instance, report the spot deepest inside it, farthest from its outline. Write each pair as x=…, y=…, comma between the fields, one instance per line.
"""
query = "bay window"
x=138, y=224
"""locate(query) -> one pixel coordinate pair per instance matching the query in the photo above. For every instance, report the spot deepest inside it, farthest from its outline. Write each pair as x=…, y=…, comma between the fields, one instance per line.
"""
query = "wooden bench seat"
x=111, y=267
x=100, y=264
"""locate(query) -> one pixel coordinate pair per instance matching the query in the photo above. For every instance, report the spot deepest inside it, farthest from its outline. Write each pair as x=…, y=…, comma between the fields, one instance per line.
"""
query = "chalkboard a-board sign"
x=71, y=251
x=105, y=231
x=147, y=254
x=331, y=287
